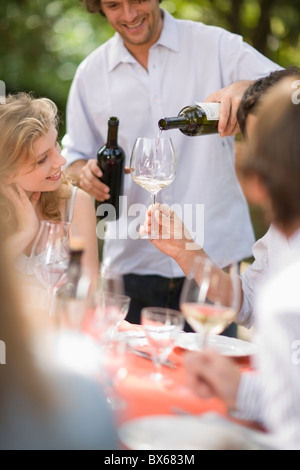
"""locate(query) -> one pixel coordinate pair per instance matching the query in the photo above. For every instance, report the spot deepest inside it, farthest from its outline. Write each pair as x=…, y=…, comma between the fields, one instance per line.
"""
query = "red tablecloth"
x=145, y=397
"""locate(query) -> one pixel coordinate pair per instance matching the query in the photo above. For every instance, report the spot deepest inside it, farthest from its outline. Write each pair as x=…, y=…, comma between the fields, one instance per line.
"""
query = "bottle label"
x=212, y=110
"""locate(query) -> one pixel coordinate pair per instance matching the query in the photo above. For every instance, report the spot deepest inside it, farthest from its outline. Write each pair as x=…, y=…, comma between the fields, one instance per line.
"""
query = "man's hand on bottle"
x=89, y=181
x=230, y=98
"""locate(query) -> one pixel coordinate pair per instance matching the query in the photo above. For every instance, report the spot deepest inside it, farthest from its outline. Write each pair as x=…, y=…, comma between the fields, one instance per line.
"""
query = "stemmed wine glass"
x=162, y=326
x=111, y=304
x=153, y=164
x=111, y=307
x=50, y=256
x=210, y=297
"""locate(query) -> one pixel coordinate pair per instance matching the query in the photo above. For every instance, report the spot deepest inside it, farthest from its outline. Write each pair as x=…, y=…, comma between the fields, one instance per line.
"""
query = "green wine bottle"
x=198, y=119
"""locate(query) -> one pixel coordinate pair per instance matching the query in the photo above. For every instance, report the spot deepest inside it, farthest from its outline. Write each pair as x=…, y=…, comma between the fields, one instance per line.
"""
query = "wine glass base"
x=157, y=378
x=144, y=236
x=116, y=404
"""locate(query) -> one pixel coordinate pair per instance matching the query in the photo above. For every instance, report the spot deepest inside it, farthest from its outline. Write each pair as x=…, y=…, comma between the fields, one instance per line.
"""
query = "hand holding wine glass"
x=210, y=297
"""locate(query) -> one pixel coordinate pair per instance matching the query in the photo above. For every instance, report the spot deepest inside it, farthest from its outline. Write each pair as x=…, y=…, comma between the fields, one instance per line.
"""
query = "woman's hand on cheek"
x=25, y=207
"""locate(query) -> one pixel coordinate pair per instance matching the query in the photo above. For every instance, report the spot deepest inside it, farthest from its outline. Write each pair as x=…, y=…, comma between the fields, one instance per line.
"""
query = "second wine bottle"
x=111, y=159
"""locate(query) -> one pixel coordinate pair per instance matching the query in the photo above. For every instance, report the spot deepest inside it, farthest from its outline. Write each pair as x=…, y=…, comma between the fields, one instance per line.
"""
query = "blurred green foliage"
x=43, y=41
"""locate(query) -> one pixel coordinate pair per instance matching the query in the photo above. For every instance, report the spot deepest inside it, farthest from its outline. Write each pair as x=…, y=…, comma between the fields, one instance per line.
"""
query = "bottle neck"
x=74, y=269
x=173, y=123
x=112, y=132
x=75, y=256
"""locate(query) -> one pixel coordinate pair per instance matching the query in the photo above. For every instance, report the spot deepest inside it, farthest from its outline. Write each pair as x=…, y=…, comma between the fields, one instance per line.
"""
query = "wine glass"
x=210, y=297
x=111, y=304
x=114, y=370
x=111, y=310
x=153, y=164
x=162, y=326
x=50, y=256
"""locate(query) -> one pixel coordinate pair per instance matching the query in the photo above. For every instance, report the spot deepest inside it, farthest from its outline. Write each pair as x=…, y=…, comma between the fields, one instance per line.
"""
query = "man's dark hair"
x=273, y=155
x=254, y=93
x=94, y=6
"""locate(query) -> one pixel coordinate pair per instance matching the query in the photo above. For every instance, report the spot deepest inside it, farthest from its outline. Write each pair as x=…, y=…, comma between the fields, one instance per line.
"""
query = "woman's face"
x=46, y=174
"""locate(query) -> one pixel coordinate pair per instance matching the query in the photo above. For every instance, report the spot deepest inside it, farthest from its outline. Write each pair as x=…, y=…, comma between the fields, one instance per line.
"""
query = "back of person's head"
x=253, y=94
x=273, y=153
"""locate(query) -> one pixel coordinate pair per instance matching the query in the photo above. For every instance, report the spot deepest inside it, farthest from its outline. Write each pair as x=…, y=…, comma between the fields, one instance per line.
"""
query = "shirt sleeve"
x=241, y=61
x=82, y=139
x=279, y=363
x=251, y=279
x=248, y=405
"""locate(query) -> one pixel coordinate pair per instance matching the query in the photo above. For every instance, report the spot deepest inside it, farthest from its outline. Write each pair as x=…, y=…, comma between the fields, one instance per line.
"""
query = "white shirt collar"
x=169, y=38
x=294, y=240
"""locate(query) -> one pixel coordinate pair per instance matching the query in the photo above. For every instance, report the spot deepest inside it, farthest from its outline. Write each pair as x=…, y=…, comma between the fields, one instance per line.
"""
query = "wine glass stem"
x=157, y=365
x=205, y=340
x=153, y=197
x=51, y=296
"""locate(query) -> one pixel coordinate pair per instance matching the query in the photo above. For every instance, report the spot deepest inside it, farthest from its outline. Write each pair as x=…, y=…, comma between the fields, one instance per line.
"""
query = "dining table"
x=144, y=400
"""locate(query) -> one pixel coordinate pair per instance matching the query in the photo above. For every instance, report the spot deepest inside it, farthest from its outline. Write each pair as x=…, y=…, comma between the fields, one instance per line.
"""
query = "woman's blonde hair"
x=24, y=119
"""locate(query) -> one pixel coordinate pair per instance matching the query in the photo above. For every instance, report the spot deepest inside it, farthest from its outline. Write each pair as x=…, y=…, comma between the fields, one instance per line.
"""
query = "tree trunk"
x=260, y=36
x=234, y=16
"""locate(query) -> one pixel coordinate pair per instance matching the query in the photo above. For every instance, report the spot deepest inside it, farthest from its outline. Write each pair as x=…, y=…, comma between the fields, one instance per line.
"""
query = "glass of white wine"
x=153, y=164
x=209, y=298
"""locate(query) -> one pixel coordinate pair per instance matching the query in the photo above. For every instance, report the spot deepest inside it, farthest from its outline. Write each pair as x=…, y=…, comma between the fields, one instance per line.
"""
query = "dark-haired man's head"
x=94, y=6
x=252, y=96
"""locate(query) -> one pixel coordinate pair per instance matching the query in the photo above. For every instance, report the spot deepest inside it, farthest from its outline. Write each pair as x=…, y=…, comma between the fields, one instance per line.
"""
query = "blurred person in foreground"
x=43, y=407
x=152, y=67
x=173, y=238
x=33, y=184
x=271, y=163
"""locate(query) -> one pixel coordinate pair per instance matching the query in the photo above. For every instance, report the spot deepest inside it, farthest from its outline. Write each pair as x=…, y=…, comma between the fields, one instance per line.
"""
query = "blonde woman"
x=33, y=184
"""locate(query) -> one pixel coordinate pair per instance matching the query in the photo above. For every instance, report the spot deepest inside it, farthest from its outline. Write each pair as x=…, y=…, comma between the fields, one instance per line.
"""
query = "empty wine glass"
x=210, y=297
x=50, y=256
x=153, y=164
x=111, y=310
x=114, y=371
x=162, y=326
x=111, y=304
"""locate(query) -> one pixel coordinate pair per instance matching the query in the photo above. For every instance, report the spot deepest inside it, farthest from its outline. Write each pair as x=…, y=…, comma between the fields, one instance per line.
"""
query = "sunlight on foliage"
x=42, y=42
